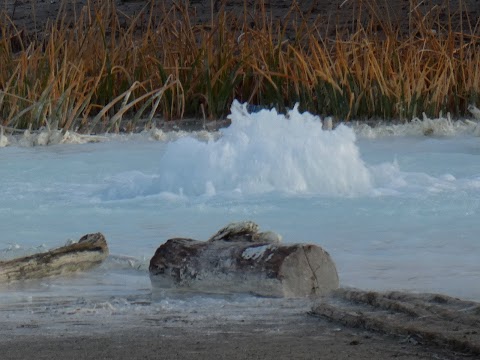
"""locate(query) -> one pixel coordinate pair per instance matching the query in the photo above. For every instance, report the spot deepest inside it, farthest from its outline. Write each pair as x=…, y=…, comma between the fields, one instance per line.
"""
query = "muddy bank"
x=310, y=341
x=200, y=328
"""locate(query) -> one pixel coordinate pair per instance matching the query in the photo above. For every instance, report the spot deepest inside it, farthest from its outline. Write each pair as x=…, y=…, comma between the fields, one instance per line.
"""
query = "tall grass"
x=104, y=68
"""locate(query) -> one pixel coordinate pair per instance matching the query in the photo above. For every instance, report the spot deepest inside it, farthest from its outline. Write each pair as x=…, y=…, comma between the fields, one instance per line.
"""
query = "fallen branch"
x=89, y=252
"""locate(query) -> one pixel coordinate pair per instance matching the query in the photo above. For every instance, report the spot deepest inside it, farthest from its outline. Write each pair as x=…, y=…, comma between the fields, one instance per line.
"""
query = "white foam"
x=389, y=179
x=46, y=136
x=267, y=152
x=442, y=126
x=160, y=135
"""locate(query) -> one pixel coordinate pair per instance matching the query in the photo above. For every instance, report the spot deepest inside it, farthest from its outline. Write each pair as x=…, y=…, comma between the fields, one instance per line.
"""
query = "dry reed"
x=101, y=68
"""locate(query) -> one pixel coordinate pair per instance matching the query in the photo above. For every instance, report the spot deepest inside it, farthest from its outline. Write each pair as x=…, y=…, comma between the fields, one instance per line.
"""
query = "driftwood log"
x=239, y=259
x=429, y=319
x=88, y=252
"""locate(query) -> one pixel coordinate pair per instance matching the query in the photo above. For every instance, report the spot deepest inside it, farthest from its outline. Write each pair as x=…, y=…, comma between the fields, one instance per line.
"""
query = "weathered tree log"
x=420, y=318
x=88, y=252
x=239, y=259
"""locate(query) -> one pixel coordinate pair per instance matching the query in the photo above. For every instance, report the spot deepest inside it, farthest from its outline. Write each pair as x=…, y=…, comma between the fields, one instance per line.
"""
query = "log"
x=432, y=319
x=240, y=259
x=87, y=253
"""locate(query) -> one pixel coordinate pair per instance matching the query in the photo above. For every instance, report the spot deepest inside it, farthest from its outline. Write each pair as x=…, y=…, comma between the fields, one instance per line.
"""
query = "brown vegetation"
x=104, y=65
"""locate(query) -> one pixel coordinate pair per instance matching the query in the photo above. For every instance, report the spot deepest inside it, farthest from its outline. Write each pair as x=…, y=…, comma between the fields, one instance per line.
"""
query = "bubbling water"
x=267, y=152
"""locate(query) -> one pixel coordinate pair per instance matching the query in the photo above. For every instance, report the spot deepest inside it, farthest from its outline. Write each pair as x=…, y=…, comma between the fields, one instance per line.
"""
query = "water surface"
x=395, y=211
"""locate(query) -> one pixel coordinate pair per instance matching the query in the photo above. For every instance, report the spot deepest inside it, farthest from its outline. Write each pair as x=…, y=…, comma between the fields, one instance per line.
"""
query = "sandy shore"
x=72, y=332
x=200, y=327
x=317, y=341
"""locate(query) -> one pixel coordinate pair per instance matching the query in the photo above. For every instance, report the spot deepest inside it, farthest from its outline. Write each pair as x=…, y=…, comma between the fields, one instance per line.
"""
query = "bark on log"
x=243, y=260
x=90, y=251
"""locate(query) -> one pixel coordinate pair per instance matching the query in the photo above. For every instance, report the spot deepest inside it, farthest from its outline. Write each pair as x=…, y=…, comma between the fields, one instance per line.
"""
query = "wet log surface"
x=87, y=253
x=239, y=259
x=424, y=319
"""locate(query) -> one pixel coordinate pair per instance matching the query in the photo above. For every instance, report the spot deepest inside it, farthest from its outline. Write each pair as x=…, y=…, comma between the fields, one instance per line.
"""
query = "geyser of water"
x=264, y=152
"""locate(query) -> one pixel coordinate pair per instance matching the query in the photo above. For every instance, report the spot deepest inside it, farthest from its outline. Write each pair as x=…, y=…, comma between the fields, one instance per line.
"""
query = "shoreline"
x=155, y=331
x=206, y=131
x=332, y=57
x=320, y=340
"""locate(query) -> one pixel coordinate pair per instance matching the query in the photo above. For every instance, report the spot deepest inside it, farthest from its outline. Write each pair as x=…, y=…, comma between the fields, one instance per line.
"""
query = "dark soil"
x=328, y=16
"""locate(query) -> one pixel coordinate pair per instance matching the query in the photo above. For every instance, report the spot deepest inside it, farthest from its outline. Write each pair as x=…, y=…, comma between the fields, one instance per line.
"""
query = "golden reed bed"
x=100, y=62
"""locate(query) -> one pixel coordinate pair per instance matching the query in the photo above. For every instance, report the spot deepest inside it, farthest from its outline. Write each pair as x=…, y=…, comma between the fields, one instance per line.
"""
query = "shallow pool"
x=395, y=211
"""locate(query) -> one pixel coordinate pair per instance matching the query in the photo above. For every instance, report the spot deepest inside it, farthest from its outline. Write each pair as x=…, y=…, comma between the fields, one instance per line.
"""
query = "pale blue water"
x=396, y=212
